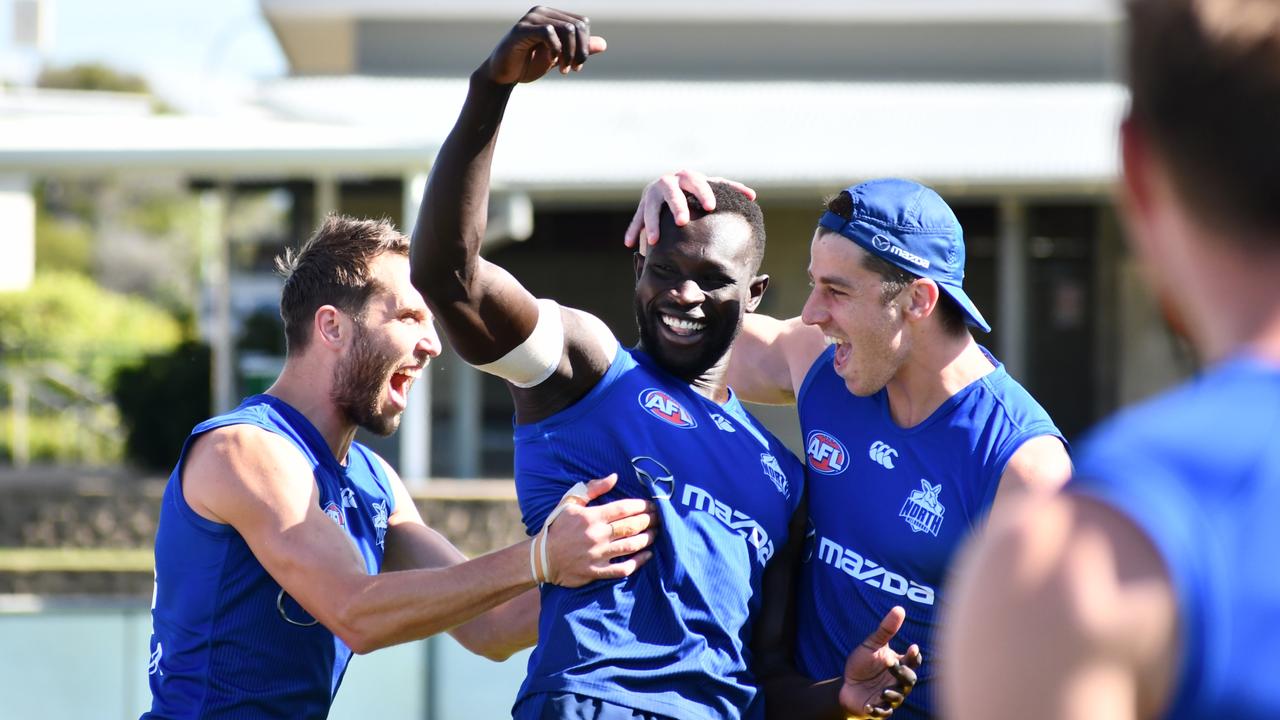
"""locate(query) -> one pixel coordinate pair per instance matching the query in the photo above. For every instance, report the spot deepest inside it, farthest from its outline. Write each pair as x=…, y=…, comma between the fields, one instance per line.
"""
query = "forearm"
x=397, y=607
x=504, y=630
x=789, y=695
x=452, y=217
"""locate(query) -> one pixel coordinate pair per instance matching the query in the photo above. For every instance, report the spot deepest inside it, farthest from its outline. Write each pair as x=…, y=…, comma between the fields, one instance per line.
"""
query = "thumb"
x=889, y=627
x=596, y=488
x=596, y=45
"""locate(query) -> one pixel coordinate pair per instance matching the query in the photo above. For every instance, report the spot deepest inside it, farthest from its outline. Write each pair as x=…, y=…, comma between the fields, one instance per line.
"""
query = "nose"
x=430, y=343
x=689, y=292
x=813, y=312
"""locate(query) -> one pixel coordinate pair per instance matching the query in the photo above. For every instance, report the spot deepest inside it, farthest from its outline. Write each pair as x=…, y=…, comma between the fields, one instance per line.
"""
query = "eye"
x=715, y=282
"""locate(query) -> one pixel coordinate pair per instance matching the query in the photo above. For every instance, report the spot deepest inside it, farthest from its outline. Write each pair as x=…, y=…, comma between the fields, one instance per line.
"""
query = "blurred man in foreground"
x=1149, y=589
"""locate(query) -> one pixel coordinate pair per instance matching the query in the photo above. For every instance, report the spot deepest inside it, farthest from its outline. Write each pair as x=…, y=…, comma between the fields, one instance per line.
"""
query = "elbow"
x=354, y=629
x=478, y=642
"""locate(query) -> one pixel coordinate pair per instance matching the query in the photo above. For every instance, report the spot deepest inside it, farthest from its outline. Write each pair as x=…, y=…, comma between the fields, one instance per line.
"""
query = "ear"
x=638, y=260
x=920, y=299
x=330, y=327
x=758, y=285
x=1135, y=159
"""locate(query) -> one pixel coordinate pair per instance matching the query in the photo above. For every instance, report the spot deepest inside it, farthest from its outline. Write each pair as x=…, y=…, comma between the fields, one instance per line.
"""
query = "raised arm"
x=485, y=311
x=258, y=483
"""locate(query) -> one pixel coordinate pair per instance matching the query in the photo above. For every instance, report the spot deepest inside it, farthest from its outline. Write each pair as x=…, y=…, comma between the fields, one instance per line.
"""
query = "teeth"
x=679, y=324
x=833, y=340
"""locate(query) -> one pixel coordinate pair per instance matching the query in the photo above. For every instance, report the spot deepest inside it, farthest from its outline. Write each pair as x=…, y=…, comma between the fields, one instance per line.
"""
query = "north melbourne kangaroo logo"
x=922, y=511
x=882, y=454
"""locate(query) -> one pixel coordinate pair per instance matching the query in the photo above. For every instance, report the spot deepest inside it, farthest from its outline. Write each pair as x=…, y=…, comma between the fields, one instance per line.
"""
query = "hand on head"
x=583, y=541
x=544, y=38
x=669, y=190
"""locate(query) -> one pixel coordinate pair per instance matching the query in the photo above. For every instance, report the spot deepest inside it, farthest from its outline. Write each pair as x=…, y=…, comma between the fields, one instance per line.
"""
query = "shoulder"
x=1082, y=579
x=230, y=463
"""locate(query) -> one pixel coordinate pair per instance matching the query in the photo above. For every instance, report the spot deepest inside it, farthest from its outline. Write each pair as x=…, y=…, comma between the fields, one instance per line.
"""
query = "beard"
x=359, y=381
x=686, y=363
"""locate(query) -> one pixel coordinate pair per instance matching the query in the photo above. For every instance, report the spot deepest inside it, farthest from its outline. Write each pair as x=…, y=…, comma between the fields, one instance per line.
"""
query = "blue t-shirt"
x=889, y=506
x=226, y=641
x=673, y=638
x=1198, y=471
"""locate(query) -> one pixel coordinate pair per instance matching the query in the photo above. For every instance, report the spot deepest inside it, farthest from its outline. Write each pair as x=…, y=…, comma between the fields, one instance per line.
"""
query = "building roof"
x=575, y=133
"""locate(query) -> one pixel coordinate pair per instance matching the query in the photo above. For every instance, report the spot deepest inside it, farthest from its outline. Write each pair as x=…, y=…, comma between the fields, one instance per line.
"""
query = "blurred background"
x=155, y=156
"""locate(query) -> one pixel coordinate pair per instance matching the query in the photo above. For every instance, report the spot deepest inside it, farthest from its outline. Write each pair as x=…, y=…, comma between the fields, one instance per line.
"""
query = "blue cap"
x=908, y=225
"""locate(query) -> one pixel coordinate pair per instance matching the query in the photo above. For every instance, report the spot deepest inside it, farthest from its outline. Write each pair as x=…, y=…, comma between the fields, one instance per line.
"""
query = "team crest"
x=826, y=454
x=773, y=471
x=922, y=511
x=664, y=407
x=348, y=497
x=335, y=513
x=722, y=422
x=380, y=521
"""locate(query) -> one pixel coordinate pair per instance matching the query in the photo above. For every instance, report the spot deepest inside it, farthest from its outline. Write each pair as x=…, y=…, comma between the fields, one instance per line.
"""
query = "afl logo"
x=664, y=407
x=335, y=513
x=880, y=242
x=825, y=453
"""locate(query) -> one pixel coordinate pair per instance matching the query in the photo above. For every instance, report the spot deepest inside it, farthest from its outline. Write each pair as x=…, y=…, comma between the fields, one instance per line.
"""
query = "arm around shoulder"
x=771, y=358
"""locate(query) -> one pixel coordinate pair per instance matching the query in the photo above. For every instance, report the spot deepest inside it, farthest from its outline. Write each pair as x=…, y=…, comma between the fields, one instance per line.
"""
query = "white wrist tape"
x=534, y=360
x=579, y=491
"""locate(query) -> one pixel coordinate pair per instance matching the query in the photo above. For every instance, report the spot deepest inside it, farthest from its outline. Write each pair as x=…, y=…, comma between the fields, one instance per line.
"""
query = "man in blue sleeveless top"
x=1149, y=589
x=674, y=640
x=283, y=546
x=912, y=430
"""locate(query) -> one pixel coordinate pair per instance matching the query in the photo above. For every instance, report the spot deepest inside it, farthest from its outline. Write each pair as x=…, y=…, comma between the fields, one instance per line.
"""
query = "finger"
x=637, y=224
x=913, y=657
x=596, y=45
x=744, y=189
x=653, y=209
x=906, y=677
x=551, y=38
x=619, y=509
x=600, y=486
x=876, y=712
x=621, y=569
x=891, y=698
x=582, y=43
x=568, y=33
x=696, y=183
x=673, y=196
x=633, y=525
x=629, y=545
x=889, y=627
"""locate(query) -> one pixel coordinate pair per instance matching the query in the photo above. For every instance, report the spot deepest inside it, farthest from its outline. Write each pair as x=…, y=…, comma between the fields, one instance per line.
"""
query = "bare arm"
x=876, y=678
x=411, y=544
x=1041, y=466
x=483, y=309
x=262, y=486
x=771, y=357
x=1061, y=610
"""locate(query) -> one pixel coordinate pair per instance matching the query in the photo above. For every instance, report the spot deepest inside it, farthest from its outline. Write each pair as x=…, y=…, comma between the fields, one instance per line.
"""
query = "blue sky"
x=190, y=50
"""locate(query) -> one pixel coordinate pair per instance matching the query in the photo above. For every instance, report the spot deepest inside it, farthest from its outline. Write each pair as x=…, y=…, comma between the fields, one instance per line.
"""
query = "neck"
x=297, y=386
x=711, y=383
x=1240, y=307
x=936, y=368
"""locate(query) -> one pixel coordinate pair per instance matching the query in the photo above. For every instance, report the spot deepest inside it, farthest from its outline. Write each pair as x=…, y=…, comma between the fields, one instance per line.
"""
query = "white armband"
x=536, y=359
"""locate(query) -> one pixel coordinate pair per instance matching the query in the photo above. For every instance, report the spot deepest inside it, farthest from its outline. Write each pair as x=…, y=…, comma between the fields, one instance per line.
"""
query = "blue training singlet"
x=225, y=641
x=889, y=506
x=672, y=639
x=1198, y=471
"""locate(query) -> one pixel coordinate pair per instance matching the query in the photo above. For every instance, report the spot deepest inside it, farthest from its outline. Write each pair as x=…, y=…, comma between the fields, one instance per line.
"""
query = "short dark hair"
x=332, y=268
x=729, y=200
x=894, y=279
x=1205, y=81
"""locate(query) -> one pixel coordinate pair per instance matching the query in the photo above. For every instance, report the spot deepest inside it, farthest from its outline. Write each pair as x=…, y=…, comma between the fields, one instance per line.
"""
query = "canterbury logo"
x=882, y=454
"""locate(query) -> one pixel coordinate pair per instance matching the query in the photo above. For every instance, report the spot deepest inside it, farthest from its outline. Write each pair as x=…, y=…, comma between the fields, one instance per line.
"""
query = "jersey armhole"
x=812, y=373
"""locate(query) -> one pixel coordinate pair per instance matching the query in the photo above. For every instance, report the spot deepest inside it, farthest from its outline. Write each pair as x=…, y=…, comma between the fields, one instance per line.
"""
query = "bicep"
x=410, y=543
x=263, y=487
x=770, y=358
x=775, y=631
x=486, y=317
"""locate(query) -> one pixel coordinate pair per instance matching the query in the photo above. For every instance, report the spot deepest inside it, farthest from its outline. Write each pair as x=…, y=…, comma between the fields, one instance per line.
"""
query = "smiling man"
x=283, y=546
x=674, y=639
x=913, y=432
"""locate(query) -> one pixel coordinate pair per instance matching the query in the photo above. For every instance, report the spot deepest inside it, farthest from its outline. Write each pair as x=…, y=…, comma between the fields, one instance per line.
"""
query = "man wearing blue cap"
x=912, y=430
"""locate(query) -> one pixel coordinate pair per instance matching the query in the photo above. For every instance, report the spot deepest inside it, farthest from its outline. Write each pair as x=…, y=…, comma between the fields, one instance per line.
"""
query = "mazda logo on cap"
x=881, y=243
